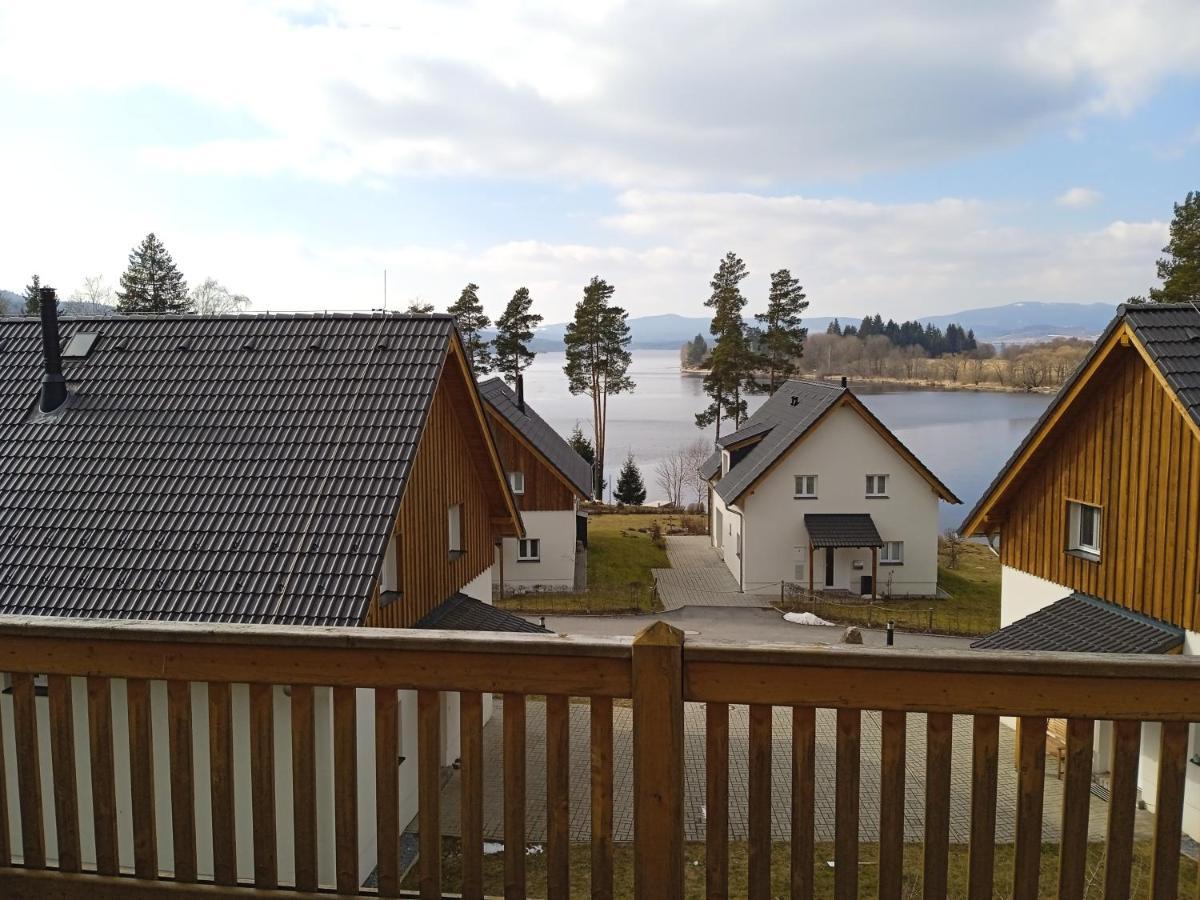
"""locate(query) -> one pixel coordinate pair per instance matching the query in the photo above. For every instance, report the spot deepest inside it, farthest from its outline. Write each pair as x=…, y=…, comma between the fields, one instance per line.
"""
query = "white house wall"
x=1022, y=594
x=841, y=451
x=727, y=535
x=556, y=568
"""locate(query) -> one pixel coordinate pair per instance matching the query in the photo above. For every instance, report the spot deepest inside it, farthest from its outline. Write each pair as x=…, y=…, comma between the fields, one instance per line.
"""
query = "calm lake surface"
x=963, y=436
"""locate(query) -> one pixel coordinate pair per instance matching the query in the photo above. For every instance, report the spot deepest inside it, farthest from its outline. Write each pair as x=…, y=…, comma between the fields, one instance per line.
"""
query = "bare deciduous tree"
x=671, y=475
x=694, y=455
x=211, y=298
x=92, y=298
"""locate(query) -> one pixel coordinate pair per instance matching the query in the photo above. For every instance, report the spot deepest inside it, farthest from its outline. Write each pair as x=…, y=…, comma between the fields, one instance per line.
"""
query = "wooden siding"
x=1123, y=446
x=544, y=487
x=444, y=472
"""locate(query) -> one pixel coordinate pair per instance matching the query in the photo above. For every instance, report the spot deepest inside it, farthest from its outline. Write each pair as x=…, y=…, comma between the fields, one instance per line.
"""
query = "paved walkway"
x=694, y=811
x=698, y=577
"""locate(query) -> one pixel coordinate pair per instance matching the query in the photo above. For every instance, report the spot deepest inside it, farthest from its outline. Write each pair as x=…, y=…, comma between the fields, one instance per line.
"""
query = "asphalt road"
x=738, y=624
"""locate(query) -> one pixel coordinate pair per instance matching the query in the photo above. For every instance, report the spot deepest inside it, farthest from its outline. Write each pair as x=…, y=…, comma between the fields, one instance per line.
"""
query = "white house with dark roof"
x=813, y=490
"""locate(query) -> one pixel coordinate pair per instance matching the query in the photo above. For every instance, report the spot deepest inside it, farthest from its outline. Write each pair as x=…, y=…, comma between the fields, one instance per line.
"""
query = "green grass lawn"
x=868, y=879
x=621, y=554
x=973, y=607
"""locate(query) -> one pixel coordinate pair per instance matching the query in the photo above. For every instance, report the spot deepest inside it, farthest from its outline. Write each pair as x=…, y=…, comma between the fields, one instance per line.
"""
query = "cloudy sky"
x=906, y=157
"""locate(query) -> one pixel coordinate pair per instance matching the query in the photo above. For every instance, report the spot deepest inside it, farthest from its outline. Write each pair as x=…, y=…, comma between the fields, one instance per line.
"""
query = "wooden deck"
x=658, y=672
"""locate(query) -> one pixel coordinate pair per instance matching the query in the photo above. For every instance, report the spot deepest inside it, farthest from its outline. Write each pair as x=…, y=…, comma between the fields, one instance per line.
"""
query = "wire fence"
x=928, y=615
x=631, y=599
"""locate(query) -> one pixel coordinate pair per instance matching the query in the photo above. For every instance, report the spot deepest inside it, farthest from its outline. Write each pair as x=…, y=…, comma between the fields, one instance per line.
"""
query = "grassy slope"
x=493, y=871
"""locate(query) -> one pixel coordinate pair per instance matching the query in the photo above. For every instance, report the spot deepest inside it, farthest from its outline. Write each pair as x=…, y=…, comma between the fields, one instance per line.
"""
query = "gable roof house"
x=320, y=470
x=814, y=491
x=1096, y=516
x=548, y=480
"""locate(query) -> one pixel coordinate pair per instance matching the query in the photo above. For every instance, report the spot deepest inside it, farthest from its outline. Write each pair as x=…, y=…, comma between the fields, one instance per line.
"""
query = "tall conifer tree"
x=33, y=305
x=783, y=335
x=469, y=316
x=514, y=331
x=151, y=283
x=731, y=369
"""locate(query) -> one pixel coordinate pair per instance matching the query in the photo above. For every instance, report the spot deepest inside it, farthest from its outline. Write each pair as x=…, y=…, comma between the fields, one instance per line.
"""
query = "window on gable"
x=529, y=549
x=877, y=485
x=806, y=487
x=516, y=481
x=891, y=553
x=1084, y=523
x=454, y=518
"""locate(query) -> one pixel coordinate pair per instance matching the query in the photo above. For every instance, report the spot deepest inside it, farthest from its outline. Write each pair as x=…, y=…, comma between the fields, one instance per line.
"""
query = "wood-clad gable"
x=545, y=487
x=456, y=464
x=1122, y=444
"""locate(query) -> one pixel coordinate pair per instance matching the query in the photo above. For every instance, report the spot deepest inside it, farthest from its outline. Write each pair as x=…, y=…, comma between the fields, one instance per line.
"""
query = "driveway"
x=699, y=577
x=694, y=779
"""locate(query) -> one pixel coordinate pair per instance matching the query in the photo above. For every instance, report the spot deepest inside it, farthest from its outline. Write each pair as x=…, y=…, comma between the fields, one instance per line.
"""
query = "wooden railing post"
x=658, y=763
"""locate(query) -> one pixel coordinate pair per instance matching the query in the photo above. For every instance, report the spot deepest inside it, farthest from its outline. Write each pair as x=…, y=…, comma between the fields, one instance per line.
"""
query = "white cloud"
x=1078, y=197
x=624, y=92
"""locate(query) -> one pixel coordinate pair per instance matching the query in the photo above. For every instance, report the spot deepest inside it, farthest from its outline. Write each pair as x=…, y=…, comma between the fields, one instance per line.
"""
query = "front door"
x=829, y=567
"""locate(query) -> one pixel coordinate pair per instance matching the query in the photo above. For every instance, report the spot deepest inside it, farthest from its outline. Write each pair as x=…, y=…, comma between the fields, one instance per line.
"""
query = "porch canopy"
x=841, y=530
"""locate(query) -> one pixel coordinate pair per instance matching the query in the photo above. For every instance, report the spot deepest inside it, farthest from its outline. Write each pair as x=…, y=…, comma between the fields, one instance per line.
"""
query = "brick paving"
x=694, y=812
x=699, y=577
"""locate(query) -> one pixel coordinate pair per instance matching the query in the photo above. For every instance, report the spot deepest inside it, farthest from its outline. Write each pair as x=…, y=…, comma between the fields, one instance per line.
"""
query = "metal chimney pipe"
x=520, y=392
x=843, y=381
x=54, y=386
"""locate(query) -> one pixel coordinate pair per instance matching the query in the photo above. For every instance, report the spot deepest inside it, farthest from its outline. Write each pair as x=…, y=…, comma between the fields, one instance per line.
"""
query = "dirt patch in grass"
x=823, y=874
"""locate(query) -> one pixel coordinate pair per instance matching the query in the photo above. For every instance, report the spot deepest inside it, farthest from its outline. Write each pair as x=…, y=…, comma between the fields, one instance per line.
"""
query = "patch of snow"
x=491, y=848
x=804, y=618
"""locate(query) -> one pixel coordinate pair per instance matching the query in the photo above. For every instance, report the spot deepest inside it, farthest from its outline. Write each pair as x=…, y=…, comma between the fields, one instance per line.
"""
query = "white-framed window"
x=805, y=487
x=1084, y=536
x=529, y=549
x=877, y=485
x=454, y=521
x=891, y=553
x=516, y=481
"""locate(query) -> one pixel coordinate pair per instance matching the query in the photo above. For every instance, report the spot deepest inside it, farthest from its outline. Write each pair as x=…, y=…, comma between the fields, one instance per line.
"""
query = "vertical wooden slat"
x=1031, y=782
x=1121, y=808
x=845, y=829
x=304, y=786
x=759, y=861
x=220, y=756
x=602, y=798
x=471, y=749
x=514, y=796
x=345, y=789
x=262, y=784
x=1076, y=805
x=429, y=789
x=29, y=770
x=1168, y=811
x=939, y=732
x=141, y=779
x=104, y=786
x=658, y=762
x=183, y=791
x=62, y=755
x=387, y=791
x=891, y=804
x=804, y=759
x=5, y=834
x=985, y=751
x=716, y=800
x=558, y=786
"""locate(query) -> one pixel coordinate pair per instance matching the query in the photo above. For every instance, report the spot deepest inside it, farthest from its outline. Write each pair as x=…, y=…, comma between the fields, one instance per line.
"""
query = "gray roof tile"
x=462, y=613
x=251, y=477
x=842, y=530
x=1080, y=623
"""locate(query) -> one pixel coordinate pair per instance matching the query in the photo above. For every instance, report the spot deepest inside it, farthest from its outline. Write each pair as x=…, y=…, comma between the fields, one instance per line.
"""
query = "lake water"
x=964, y=437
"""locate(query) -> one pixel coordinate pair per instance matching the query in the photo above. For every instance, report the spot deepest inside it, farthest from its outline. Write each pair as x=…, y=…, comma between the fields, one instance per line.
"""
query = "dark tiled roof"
x=1081, y=623
x=711, y=466
x=463, y=613
x=787, y=421
x=750, y=430
x=842, y=530
x=1170, y=332
x=538, y=432
x=217, y=469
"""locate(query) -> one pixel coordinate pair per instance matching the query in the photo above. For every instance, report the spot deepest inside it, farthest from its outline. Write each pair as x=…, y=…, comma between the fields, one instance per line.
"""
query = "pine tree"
x=580, y=444
x=597, y=345
x=631, y=490
x=151, y=283
x=1179, y=270
x=732, y=364
x=468, y=315
x=783, y=336
x=33, y=305
x=835, y=327
x=514, y=331
x=418, y=307
x=697, y=349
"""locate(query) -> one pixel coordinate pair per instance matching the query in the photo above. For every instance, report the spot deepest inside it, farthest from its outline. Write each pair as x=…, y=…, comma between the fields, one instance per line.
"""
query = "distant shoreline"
x=927, y=383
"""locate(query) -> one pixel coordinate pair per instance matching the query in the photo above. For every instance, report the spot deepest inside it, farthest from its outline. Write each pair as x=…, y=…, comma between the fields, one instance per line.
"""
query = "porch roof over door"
x=841, y=530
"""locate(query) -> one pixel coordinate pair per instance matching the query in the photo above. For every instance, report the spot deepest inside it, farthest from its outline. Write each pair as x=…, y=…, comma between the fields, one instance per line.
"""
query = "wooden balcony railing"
x=133, y=771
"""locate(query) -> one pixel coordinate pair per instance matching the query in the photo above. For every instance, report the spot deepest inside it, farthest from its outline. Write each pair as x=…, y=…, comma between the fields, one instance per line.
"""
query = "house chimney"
x=520, y=392
x=54, y=386
x=843, y=381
